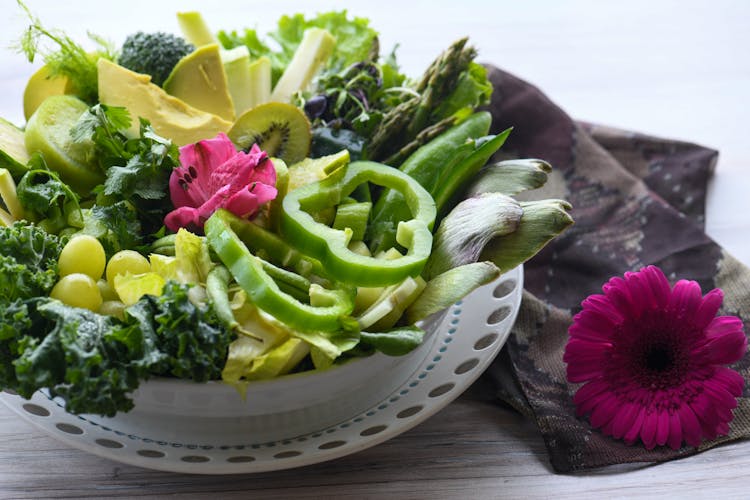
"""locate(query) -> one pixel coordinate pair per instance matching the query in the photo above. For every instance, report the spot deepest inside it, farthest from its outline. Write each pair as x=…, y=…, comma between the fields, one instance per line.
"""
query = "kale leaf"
x=192, y=337
x=91, y=361
x=28, y=261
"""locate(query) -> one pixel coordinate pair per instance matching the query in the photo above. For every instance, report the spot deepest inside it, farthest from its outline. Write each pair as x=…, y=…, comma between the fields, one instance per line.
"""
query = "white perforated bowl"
x=299, y=419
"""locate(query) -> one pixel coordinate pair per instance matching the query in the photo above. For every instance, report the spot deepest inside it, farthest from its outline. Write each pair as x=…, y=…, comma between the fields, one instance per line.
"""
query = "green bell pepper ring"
x=333, y=306
x=330, y=246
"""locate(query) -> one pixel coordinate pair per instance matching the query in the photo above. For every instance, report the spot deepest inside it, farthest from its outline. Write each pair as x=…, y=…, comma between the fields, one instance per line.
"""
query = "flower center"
x=659, y=358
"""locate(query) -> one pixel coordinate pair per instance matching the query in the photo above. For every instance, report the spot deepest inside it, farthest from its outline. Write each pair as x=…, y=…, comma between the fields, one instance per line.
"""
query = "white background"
x=679, y=69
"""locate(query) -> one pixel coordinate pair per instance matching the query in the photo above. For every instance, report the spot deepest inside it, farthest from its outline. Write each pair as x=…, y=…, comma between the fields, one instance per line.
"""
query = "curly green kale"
x=94, y=362
x=91, y=361
x=154, y=54
x=192, y=337
x=28, y=261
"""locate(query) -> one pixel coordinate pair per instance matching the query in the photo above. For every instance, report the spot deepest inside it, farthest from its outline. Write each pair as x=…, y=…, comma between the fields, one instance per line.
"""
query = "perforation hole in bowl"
x=498, y=315
x=485, y=341
x=195, y=459
x=331, y=444
x=108, y=443
x=288, y=454
x=37, y=410
x=241, y=459
x=409, y=412
x=441, y=389
x=151, y=453
x=466, y=366
x=370, y=431
x=68, y=428
x=503, y=289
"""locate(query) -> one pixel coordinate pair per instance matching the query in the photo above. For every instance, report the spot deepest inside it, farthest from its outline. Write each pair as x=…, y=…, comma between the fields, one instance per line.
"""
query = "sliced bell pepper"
x=332, y=308
x=330, y=246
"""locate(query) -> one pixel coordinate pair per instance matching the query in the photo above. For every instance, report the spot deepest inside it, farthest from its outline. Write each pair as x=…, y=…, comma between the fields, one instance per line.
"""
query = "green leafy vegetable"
x=91, y=361
x=47, y=199
x=395, y=342
x=355, y=40
x=137, y=169
x=192, y=338
x=116, y=226
x=28, y=261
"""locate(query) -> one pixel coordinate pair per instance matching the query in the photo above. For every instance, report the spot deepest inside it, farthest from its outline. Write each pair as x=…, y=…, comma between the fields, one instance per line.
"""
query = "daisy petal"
x=708, y=308
x=691, y=429
x=720, y=396
x=685, y=299
x=635, y=429
x=731, y=380
x=648, y=431
x=725, y=341
x=592, y=326
x=675, y=432
x=618, y=293
x=662, y=428
x=605, y=411
x=707, y=416
x=658, y=284
x=624, y=420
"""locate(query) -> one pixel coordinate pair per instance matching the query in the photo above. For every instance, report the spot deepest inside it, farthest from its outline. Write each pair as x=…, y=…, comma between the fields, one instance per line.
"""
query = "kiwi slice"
x=281, y=130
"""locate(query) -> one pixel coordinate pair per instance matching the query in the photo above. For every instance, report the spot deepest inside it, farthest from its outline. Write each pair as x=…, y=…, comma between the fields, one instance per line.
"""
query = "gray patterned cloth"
x=637, y=200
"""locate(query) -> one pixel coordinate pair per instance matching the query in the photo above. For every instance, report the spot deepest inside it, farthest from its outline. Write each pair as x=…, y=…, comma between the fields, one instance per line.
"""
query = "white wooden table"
x=670, y=68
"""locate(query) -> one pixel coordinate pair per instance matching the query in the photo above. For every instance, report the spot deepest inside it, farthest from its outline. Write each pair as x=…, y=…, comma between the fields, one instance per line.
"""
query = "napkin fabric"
x=637, y=200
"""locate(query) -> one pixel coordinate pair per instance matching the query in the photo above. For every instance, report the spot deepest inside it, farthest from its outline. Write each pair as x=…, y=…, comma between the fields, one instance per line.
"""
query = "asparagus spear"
x=407, y=126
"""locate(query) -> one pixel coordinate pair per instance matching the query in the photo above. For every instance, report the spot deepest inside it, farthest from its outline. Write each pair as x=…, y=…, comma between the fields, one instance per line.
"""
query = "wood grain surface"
x=671, y=68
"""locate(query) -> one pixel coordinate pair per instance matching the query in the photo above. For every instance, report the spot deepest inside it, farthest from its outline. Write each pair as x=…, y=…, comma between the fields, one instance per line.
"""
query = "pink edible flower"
x=652, y=358
x=212, y=175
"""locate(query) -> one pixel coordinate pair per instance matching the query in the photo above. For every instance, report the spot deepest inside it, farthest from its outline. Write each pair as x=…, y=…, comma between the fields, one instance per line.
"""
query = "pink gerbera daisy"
x=651, y=359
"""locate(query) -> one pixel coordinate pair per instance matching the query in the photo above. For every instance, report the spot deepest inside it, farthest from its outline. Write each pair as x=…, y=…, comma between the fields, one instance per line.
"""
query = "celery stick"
x=314, y=49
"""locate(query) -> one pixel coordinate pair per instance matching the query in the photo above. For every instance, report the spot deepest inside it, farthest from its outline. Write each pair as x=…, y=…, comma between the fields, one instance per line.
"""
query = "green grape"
x=113, y=308
x=78, y=290
x=126, y=261
x=82, y=254
x=107, y=290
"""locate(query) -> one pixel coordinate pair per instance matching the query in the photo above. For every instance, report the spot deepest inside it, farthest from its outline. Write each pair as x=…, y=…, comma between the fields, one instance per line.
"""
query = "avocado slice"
x=13, y=154
x=169, y=116
x=40, y=86
x=199, y=80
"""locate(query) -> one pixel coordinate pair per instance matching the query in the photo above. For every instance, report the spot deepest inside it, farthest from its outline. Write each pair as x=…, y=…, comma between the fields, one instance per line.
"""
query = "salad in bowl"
x=238, y=207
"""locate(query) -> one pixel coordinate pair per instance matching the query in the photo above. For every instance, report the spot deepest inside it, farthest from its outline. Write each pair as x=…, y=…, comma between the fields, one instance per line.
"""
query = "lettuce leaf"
x=355, y=39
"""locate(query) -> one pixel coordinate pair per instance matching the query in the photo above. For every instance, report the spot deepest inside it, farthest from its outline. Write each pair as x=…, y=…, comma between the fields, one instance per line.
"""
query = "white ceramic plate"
x=297, y=420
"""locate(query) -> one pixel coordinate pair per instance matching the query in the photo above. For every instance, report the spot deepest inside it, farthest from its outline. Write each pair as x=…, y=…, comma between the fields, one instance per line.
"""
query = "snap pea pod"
x=454, y=179
x=217, y=290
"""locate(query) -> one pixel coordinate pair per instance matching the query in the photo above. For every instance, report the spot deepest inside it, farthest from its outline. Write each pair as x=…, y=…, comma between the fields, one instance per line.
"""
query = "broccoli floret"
x=154, y=54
